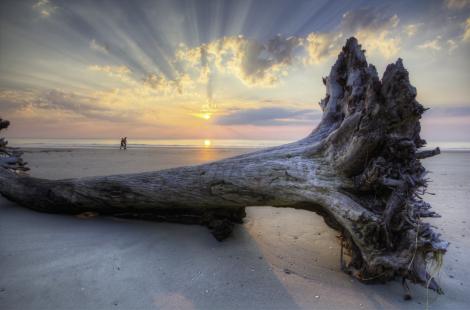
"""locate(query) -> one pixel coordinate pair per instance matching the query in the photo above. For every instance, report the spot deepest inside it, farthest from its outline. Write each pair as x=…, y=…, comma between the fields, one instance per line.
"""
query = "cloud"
x=121, y=72
x=320, y=46
x=54, y=99
x=11, y=100
x=381, y=42
x=269, y=116
x=374, y=29
x=457, y=4
x=86, y=106
x=98, y=47
x=45, y=7
x=163, y=85
x=450, y=38
x=451, y=45
x=252, y=62
x=281, y=50
x=432, y=44
x=152, y=84
x=412, y=29
x=38, y=103
x=367, y=18
x=466, y=34
x=264, y=64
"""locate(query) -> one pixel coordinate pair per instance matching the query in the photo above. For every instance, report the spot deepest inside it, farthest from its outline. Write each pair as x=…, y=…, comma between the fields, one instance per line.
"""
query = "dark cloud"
x=269, y=116
x=259, y=59
x=282, y=49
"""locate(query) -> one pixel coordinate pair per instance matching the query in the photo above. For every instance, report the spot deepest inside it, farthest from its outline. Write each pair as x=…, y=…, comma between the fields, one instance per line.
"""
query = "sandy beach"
x=278, y=259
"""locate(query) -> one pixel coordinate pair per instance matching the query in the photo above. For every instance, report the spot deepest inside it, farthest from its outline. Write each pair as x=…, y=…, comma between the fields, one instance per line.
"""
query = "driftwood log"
x=359, y=169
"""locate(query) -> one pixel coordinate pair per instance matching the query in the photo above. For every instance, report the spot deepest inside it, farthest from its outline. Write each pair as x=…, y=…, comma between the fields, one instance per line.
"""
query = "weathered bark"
x=359, y=169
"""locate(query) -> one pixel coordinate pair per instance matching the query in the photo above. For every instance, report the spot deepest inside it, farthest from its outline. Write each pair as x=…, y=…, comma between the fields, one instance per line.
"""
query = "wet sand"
x=278, y=259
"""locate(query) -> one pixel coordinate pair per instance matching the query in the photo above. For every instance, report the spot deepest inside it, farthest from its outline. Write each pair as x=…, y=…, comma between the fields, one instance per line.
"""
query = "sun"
x=207, y=143
x=204, y=115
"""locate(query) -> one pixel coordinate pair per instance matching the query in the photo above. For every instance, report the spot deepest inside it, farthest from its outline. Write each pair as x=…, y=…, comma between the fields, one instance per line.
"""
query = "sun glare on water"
x=207, y=143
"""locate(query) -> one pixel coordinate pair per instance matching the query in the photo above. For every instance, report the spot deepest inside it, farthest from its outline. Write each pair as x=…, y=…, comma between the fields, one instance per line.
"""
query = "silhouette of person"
x=122, y=144
x=125, y=143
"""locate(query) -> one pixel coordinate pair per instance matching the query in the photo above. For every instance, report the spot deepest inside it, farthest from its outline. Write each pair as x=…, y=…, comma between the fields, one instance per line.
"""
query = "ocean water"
x=141, y=143
x=190, y=143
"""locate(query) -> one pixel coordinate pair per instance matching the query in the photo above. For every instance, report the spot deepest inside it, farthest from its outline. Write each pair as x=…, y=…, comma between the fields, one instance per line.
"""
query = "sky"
x=213, y=69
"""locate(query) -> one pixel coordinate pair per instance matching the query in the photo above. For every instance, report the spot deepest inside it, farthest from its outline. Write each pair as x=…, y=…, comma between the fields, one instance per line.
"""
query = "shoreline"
x=27, y=144
x=130, y=147
x=184, y=147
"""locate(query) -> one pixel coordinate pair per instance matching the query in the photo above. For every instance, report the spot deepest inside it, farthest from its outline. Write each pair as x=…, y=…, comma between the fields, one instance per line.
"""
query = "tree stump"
x=359, y=169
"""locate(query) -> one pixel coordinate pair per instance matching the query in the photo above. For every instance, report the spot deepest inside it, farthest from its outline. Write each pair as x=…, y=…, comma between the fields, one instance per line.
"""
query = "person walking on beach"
x=123, y=143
